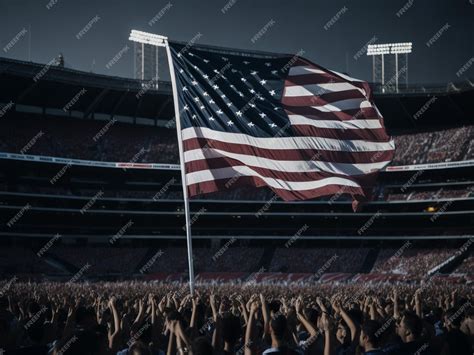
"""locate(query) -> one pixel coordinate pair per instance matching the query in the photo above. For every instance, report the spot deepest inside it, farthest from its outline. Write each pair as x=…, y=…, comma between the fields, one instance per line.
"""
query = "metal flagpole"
x=183, y=171
x=162, y=41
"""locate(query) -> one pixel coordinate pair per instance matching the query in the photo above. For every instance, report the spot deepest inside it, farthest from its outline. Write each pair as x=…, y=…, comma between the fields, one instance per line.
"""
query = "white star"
x=205, y=61
x=219, y=112
x=194, y=82
x=273, y=125
x=229, y=104
x=196, y=99
x=181, y=71
x=202, y=107
x=252, y=105
x=193, y=117
x=205, y=93
x=212, y=101
x=225, y=58
x=272, y=92
x=254, y=72
x=205, y=76
x=233, y=71
x=215, y=87
x=250, y=124
x=223, y=96
x=232, y=86
x=195, y=67
x=245, y=62
x=274, y=72
x=238, y=114
x=185, y=88
x=262, y=114
x=276, y=108
x=186, y=108
x=241, y=95
x=268, y=64
x=190, y=54
x=230, y=123
x=211, y=118
x=263, y=81
x=179, y=55
x=252, y=91
x=244, y=80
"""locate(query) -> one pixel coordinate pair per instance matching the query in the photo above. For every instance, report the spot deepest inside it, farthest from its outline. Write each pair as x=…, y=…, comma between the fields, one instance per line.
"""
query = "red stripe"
x=293, y=154
x=367, y=134
x=220, y=163
x=313, y=78
x=220, y=185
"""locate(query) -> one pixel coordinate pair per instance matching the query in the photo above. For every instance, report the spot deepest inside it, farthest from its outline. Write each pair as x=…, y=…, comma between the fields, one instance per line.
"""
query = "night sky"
x=330, y=32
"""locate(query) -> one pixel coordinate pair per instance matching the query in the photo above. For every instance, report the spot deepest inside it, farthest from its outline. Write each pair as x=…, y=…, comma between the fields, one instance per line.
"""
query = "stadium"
x=94, y=250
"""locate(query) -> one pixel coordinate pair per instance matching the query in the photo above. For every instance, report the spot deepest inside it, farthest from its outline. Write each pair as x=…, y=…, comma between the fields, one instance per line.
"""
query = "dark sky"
x=297, y=24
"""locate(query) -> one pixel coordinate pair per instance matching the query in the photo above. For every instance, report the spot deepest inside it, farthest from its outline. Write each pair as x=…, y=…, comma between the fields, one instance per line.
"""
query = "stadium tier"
x=87, y=155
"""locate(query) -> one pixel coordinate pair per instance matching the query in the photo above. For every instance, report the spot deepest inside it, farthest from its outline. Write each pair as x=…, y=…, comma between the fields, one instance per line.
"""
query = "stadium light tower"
x=378, y=53
x=146, y=55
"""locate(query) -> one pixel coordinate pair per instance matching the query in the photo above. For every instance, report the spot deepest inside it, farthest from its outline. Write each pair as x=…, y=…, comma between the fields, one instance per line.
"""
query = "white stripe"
x=347, y=77
x=319, y=89
x=303, y=70
x=231, y=172
x=289, y=166
x=288, y=142
x=343, y=105
x=333, y=124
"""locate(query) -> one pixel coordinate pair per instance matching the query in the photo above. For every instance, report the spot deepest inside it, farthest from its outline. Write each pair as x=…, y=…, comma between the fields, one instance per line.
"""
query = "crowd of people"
x=314, y=259
x=88, y=139
x=414, y=262
x=434, y=147
x=55, y=259
x=139, y=318
x=123, y=142
x=432, y=194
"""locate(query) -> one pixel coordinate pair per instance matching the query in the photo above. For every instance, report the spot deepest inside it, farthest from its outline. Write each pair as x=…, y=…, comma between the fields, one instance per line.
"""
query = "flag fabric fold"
x=278, y=121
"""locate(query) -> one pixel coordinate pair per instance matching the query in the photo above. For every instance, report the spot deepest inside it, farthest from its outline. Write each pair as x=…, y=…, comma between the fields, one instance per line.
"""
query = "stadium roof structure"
x=47, y=89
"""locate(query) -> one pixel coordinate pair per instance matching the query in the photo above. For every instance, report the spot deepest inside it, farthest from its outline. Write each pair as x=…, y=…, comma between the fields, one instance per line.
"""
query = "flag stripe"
x=285, y=165
x=285, y=154
x=287, y=142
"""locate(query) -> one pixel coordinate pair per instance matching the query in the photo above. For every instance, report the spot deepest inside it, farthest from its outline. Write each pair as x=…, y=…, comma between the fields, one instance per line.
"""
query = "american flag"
x=278, y=121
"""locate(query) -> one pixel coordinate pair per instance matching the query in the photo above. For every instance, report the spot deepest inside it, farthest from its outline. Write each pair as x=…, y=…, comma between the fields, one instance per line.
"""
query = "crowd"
x=55, y=259
x=410, y=261
x=122, y=142
x=314, y=259
x=431, y=195
x=139, y=318
x=88, y=140
x=434, y=147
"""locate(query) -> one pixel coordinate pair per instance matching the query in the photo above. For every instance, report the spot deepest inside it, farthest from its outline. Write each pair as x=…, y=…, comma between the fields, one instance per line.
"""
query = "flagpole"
x=183, y=171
